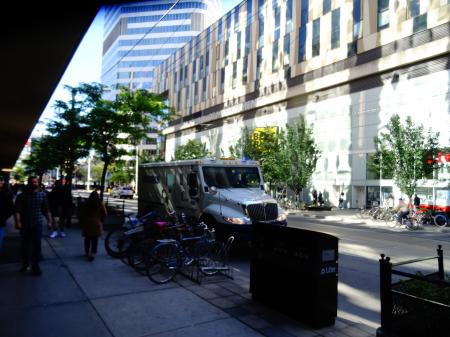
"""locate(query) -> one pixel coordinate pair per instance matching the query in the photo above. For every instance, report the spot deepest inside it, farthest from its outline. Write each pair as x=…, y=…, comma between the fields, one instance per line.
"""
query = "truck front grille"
x=263, y=212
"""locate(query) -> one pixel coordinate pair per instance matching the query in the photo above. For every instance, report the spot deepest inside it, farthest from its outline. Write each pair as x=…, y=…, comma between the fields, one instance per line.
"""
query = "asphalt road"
x=360, y=247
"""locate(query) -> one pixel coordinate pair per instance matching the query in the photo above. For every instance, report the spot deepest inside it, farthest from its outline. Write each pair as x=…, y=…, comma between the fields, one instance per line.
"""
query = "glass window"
x=233, y=83
x=245, y=70
x=383, y=14
x=204, y=86
x=249, y=11
x=188, y=98
x=258, y=63
x=304, y=13
x=231, y=177
x=316, y=38
x=207, y=62
x=413, y=8
x=219, y=31
x=420, y=23
x=228, y=24
x=326, y=6
x=301, y=43
x=226, y=56
x=335, y=28
x=275, y=64
x=288, y=16
x=202, y=69
x=277, y=15
x=261, y=31
x=194, y=71
x=247, y=40
x=195, y=93
x=236, y=19
x=222, y=80
x=286, y=49
x=238, y=46
x=357, y=19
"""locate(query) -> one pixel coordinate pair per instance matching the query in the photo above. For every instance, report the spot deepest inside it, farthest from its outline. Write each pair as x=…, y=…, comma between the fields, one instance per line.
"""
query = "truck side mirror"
x=213, y=190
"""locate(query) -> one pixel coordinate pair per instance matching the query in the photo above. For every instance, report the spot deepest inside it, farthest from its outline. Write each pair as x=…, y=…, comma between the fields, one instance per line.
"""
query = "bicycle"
x=118, y=241
x=169, y=256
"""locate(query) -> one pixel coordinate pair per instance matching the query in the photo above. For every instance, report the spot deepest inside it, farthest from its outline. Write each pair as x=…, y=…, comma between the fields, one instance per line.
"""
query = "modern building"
x=138, y=36
x=345, y=65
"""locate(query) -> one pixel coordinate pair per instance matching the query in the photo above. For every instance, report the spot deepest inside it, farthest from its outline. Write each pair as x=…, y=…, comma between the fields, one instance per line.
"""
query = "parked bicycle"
x=169, y=255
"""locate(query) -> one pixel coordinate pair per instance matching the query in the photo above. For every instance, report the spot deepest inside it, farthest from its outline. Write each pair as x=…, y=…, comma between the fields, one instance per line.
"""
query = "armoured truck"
x=226, y=194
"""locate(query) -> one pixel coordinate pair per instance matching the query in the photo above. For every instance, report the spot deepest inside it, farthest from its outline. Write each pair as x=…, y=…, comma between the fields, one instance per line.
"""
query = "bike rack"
x=196, y=273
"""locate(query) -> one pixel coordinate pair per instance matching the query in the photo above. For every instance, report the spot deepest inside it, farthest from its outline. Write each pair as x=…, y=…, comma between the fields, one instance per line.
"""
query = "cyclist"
x=402, y=209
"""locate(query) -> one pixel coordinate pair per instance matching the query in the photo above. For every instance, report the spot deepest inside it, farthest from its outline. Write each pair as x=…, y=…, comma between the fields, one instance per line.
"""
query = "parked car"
x=122, y=192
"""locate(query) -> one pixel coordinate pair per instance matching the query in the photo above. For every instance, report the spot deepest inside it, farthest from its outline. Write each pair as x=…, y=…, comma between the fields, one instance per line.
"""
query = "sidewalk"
x=106, y=298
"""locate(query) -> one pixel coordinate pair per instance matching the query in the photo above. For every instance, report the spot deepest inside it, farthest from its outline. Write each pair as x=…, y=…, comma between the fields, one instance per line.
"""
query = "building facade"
x=137, y=37
x=346, y=66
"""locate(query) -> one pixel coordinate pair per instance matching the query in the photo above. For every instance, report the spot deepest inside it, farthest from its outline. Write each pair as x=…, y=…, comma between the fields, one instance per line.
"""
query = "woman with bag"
x=91, y=224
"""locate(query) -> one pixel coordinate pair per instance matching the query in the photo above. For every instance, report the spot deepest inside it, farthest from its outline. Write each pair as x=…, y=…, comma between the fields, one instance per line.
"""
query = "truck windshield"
x=231, y=177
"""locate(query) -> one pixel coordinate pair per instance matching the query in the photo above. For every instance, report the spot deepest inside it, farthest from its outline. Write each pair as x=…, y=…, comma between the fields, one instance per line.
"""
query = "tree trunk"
x=102, y=181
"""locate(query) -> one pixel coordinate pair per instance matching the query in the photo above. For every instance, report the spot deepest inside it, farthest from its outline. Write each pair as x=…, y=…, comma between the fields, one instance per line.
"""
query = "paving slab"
x=64, y=320
x=24, y=290
x=220, y=328
x=155, y=312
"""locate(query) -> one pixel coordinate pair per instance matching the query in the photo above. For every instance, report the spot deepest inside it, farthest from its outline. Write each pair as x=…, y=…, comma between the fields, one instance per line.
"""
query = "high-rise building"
x=345, y=66
x=138, y=36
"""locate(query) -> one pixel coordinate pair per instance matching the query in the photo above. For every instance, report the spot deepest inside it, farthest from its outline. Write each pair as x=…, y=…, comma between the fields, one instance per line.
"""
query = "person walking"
x=91, y=224
x=31, y=212
x=6, y=207
x=54, y=200
x=314, y=195
x=321, y=201
x=341, y=201
x=416, y=202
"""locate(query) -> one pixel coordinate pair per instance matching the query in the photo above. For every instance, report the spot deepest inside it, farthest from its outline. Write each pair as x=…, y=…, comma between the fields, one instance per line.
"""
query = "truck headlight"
x=282, y=217
x=237, y=221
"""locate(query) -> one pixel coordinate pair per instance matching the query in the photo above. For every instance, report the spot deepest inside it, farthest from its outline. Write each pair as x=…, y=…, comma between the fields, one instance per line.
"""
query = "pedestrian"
x=66, y=205
x=416, y=202
x=341, y=201
x=31, y=214
x=314, y=195
x=91, y=224
x=55, y=205
x=321, y=202
x=6, y=207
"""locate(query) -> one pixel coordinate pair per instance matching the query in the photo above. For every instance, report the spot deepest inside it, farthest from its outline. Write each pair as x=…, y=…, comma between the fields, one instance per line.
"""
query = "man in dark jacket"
x=31, y=214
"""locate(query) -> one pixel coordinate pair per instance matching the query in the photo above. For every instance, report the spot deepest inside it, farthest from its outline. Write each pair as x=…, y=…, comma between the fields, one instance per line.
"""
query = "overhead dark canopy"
x=38, y=42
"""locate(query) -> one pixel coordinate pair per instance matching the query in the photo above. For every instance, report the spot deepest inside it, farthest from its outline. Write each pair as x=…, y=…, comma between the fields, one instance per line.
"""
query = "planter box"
x=414, y=316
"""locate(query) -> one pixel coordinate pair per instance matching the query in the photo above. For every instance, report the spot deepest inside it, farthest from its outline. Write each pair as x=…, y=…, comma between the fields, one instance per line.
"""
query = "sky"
x=86, y=65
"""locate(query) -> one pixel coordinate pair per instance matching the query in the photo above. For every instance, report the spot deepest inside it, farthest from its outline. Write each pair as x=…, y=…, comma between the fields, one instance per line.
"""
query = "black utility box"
x=296, y=271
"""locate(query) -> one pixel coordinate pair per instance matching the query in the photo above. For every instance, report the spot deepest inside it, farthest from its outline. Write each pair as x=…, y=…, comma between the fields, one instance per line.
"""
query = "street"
x=360, y=247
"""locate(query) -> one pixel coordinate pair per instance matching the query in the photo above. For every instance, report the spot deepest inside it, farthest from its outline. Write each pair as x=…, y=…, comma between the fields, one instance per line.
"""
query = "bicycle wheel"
x=138, y=255
x=163, y=263
x=116, y=243
x=440, y=220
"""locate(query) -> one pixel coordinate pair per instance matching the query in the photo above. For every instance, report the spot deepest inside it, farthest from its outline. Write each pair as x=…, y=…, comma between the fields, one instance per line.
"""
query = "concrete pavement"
x=104, y=298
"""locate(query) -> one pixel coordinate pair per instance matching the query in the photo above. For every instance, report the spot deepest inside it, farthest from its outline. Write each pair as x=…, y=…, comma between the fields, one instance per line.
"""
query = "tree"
x=43, y=155
x=302, y=155
x=193, y=149
x=404, y=150
x=123, y=121
x=266, y=145
x=69, y=130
